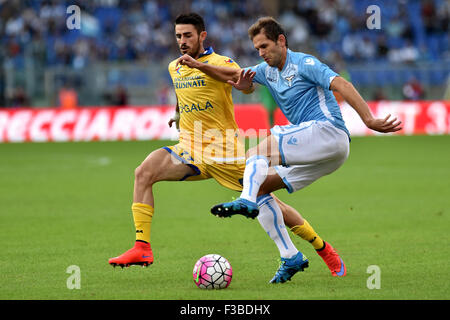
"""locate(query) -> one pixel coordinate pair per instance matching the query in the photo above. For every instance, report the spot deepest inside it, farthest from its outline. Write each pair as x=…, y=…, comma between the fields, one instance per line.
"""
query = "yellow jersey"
x=208, y=129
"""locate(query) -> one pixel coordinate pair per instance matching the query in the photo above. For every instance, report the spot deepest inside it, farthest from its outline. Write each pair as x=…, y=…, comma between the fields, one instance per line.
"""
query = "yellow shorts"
x=228, y=174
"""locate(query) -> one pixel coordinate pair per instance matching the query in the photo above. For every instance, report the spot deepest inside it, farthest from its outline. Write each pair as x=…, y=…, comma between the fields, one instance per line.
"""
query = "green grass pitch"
x=66, y=204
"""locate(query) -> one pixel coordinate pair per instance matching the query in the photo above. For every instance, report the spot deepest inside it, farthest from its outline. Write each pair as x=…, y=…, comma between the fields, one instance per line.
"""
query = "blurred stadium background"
x=120, y=54
x=128, y=44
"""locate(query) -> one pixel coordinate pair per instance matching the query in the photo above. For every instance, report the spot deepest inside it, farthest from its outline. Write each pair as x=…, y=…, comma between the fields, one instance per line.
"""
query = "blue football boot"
x=239, y=206
x=289, y=267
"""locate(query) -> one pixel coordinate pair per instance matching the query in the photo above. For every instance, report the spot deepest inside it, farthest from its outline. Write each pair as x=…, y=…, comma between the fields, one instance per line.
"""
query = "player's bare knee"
x=144, y=175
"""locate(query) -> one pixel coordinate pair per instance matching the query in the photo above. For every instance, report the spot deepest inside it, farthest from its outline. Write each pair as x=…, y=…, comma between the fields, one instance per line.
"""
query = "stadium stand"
x=413, y=41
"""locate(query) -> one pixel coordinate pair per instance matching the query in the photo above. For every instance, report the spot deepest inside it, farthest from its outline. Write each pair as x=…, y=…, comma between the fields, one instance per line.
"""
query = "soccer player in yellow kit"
x=209, y=147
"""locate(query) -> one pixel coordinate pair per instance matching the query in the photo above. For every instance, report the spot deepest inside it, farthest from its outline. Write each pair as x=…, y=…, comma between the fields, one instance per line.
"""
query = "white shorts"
x=309, y=151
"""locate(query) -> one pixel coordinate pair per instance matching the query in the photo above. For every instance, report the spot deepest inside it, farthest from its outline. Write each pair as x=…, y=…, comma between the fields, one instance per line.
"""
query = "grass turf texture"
x=68, y=204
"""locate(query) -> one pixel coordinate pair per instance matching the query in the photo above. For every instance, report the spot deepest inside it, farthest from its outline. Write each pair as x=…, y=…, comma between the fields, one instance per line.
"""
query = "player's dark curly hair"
x=191, y=18
x=272, y=29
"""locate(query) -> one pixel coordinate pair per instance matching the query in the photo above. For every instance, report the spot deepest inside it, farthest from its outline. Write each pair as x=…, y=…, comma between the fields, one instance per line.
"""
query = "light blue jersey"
x=302, y=89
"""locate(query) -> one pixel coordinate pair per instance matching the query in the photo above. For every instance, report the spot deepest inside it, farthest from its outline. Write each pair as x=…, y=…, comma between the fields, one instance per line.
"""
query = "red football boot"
x=333, y=261
x=141, y=254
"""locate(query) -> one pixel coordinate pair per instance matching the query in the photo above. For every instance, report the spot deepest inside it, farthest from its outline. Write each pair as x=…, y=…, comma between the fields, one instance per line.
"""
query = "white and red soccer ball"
x=212, y=272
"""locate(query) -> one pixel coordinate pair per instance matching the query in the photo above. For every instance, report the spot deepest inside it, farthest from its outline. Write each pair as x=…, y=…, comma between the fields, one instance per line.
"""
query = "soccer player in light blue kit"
x=314, y=145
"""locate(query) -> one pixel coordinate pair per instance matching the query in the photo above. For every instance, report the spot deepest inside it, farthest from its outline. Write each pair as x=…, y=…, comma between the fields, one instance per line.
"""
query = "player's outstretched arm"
x=219, y=73
x=354, y=99
x=238, y=78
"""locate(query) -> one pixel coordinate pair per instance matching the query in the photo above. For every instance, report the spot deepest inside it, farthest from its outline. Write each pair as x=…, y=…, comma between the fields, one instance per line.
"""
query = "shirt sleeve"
x=317, y=72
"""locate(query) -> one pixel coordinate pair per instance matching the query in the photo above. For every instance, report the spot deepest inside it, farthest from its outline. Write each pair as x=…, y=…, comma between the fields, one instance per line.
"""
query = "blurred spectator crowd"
x=412, y=32
x=130, y=30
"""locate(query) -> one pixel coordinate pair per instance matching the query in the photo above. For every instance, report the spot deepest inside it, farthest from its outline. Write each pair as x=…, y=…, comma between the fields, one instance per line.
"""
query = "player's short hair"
x=191, y=18
x=271, y=28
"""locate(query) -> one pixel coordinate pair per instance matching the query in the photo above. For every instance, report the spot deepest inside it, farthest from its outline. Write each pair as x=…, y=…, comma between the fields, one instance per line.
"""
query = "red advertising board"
x=85, y=124
x=418, y=117
x=149, y=123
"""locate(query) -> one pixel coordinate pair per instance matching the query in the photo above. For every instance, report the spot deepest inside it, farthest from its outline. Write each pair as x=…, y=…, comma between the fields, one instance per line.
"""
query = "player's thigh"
x=311, y=142
x=160, y=165
x=228, y=175
x=268, y=148
x=297, y=177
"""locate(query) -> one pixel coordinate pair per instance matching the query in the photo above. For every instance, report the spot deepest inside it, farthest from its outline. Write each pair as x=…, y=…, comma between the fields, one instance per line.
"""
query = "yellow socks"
x=306, y=232
x=142, y=215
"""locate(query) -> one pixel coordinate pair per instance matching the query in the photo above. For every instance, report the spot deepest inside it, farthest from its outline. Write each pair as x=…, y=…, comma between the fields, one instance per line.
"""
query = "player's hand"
x=171, y=121
x=176, y=119
x=245, y=80
x=187, y=60
x=384, y=125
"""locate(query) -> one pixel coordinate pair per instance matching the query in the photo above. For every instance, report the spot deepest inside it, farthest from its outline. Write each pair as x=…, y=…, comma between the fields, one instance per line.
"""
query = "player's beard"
x=273, y=59
x=195, y=52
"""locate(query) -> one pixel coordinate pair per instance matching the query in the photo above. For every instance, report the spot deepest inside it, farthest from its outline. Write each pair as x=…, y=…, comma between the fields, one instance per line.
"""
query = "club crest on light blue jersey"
x=302, y=89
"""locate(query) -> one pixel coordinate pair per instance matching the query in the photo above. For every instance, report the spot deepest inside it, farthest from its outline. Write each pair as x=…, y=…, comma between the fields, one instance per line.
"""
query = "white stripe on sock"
x=271, y=219
x=254, y=175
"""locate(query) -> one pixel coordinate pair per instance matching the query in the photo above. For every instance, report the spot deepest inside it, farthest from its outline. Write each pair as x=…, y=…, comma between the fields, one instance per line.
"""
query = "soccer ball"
x=212, y=272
